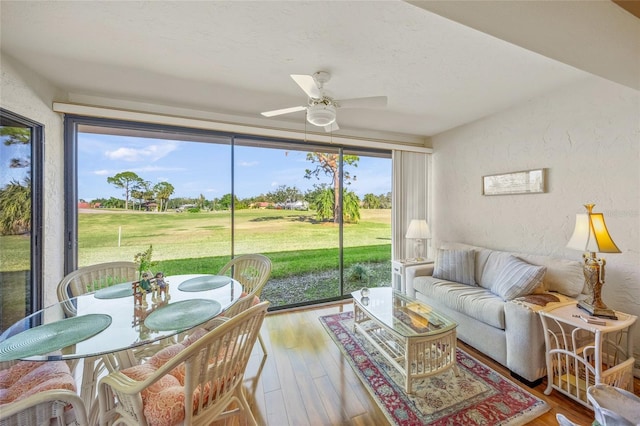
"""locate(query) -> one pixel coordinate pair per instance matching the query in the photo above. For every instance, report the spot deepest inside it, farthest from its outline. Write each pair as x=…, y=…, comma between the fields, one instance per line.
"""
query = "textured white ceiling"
x=235, y=57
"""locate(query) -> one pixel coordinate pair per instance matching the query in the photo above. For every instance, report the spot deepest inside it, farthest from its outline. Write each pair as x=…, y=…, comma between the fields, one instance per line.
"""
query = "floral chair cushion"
x=164, y=400
x=27, y=378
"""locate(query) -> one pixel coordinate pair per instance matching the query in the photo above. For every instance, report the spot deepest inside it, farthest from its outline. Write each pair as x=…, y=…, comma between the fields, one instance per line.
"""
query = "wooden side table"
x=580, y=354
x=399, y=271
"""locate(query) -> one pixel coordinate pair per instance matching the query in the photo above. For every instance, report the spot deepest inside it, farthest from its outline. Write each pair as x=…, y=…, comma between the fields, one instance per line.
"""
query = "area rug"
x=477, y=396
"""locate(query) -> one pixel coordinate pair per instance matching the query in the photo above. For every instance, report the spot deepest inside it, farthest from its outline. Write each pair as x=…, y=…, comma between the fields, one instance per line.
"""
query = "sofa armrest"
x=416, y=271
x=525, y=342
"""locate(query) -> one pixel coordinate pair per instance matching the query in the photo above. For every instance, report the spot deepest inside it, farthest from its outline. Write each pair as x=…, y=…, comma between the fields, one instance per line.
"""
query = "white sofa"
x=509, y=331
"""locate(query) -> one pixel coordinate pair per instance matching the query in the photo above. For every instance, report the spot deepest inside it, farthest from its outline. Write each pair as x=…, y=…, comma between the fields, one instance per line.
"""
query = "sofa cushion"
x=455, y=265
x=475, y=302
x=517, y=278
x=563, y=275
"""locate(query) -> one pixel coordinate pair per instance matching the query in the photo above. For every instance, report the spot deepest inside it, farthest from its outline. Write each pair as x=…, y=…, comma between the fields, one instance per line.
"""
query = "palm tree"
x=15, y=208
x=350, y=207
x=324, y=204
x=325, y=208
x=163, y=191
x=329, y=164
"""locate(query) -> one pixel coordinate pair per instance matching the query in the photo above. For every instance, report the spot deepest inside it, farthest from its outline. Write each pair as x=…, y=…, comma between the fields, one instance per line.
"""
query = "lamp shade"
x=591, y=234
x=418, y=229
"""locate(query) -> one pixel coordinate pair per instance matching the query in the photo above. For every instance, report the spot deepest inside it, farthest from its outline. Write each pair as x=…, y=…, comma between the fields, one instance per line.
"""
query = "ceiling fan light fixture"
x=321, y=114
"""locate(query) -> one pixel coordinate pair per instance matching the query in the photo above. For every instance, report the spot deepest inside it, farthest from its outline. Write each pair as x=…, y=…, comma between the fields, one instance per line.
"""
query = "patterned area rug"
x=478, y=396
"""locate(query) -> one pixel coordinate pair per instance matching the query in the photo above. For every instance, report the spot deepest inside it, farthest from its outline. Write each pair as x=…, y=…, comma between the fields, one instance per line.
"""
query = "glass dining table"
x=110, y=320
x=113, y=321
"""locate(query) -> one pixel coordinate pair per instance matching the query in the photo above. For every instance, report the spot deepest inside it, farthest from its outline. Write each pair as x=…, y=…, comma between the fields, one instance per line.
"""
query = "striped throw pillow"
x=456, y=265
x=517, y=278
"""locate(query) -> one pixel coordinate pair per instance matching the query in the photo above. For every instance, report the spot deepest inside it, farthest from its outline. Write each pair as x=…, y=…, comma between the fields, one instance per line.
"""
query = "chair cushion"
x=194, y=335
x=163, y=401
x=27, y=378
x=161, y=358
x=455, y=265
x=256, y=299
x=517, y=278
x=11, y=375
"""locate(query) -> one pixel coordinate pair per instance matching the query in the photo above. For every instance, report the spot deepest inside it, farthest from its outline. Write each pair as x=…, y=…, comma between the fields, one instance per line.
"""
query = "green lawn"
x=205, y=235
x=297, y=244
x=208, y=234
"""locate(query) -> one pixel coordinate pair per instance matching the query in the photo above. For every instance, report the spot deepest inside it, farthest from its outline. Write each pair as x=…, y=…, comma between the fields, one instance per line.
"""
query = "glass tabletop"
x=401, y=313
x=110, y=323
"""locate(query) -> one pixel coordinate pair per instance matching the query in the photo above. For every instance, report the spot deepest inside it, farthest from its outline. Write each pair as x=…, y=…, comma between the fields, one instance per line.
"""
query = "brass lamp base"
x=593, y=270
x=598, y=312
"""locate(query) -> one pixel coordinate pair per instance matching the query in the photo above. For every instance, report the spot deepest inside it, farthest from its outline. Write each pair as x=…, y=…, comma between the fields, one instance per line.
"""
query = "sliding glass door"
x=140, y=187
x=200, y=198
x=367, y=221
x=20, y=217
x=289, y=214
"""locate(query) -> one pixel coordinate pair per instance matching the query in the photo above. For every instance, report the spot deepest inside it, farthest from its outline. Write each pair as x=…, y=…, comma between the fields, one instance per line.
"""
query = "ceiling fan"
x=321, y=106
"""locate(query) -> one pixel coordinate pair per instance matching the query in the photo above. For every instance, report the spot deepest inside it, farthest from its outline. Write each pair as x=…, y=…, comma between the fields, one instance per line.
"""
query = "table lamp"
x=418, y=230
x=591, y=236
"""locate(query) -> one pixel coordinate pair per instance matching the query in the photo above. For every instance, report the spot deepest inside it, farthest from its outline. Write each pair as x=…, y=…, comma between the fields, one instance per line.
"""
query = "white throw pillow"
x=455, y=265
x=517, y=278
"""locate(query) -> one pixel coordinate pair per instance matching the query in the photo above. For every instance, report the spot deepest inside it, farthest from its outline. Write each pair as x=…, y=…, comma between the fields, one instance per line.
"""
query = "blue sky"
x=7, y=152
x=201, y=168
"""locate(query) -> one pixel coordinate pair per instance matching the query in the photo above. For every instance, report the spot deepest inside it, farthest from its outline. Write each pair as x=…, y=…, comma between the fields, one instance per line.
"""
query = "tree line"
x=139, y=189
x=323, y=198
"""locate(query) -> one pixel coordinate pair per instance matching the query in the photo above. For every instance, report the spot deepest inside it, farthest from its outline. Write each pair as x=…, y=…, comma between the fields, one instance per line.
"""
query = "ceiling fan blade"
x=283, y=111
x=308, y=84
x=370, y=102
x=333, y=127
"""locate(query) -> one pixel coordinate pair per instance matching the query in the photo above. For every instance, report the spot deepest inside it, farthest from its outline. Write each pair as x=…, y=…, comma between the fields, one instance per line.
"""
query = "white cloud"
x=106, y=172
x=146, y=153
x=248, y=163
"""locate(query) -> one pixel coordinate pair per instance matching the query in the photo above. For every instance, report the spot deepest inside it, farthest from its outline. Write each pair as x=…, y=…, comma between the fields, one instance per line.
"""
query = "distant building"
x=293, y=205
x=151, y=206
x=260, y=205
x=185, y=207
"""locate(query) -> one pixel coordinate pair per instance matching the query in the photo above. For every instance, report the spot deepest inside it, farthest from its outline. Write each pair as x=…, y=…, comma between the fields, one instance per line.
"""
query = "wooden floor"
x=304, y=380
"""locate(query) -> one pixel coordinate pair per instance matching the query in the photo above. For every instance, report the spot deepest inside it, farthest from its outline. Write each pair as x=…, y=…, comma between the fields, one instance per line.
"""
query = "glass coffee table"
x=414, y=338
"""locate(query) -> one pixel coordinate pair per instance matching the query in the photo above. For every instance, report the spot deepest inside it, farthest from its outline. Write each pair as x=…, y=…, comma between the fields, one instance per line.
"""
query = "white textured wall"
x=26, y=93
x=588, y=136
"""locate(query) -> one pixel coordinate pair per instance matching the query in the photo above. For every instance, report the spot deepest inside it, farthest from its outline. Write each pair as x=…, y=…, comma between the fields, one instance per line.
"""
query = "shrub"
x=358, y=272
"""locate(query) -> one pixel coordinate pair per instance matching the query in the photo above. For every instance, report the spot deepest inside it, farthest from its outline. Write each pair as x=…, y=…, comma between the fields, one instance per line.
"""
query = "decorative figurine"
x=140, y=290
x=145, y=282
x=161, y=287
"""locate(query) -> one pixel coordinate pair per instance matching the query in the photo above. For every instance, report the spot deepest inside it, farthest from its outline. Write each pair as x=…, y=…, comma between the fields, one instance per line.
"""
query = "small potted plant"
x=143, y=259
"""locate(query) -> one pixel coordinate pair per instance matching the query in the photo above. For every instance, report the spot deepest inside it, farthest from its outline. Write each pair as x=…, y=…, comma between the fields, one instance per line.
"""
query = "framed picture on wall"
x=524, y=182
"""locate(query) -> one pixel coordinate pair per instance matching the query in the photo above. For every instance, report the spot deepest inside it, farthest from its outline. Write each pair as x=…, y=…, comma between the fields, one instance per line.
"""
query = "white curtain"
x=411, y=199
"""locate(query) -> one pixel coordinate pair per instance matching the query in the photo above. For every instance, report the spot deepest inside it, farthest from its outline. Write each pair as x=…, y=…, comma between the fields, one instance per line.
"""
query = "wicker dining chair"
x=250, y=270
x=89, y=279
x=37, y=393
x=195, y=382
x=92, y=278
x=253, y=272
